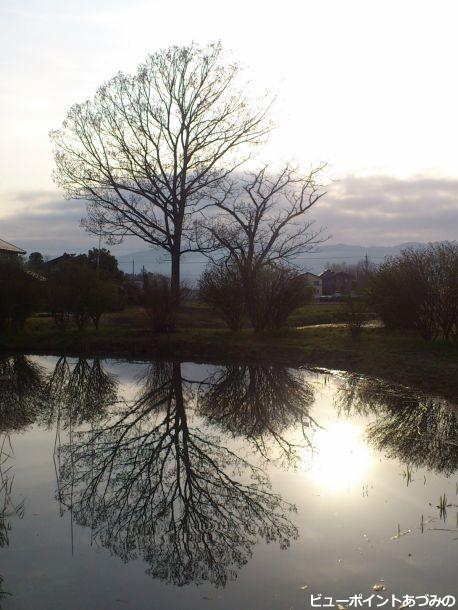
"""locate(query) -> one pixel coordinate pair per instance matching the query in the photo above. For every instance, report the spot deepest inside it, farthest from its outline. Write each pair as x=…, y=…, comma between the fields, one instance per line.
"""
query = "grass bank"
x=396, y=357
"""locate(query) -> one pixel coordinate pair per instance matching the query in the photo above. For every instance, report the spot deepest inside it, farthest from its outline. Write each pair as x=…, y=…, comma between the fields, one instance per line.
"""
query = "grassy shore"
x=397, y=357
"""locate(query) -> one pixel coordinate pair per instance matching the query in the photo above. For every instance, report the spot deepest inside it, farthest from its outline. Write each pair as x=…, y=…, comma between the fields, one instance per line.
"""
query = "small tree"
x=261, y=227
x=105, y=264
x=103, y=297
x=36, y=262
x=277, y=291
x=76, y=293
x=221, y=288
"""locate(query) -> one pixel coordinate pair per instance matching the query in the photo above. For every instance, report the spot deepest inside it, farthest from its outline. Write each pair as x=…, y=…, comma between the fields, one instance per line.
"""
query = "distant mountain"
x=316, y=262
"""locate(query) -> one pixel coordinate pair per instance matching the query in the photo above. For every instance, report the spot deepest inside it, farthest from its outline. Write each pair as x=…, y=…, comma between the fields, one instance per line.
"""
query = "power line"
x=312, y=258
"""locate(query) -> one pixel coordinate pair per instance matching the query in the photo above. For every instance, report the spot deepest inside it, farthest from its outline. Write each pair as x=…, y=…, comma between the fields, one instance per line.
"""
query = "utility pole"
x=98, y=256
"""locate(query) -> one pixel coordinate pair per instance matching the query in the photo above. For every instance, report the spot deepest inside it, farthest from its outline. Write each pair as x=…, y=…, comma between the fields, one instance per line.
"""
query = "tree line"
x=75, y=290
x=416, y=291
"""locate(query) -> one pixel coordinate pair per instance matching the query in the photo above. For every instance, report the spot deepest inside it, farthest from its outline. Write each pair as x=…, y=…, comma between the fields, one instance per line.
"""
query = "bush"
x=419, y=290
x=159, y=303
x=273, y=294
x=268, y=296
x=220, y=287
x=20, y=293
x=355, y=315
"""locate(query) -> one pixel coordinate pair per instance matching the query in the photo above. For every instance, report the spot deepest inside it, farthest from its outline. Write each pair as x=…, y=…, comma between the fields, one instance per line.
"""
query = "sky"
x=369, y=87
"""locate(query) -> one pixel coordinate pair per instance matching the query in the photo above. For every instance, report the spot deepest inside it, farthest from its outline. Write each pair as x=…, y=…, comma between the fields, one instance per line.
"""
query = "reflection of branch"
x=80, y=393
x=3, y=593
x=7, y=507
x=411, y=427
x=260, y=403
x=154, y=487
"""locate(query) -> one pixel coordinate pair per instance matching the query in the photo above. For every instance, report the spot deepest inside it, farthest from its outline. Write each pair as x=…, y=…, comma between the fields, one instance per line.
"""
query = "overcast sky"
x=369, y=87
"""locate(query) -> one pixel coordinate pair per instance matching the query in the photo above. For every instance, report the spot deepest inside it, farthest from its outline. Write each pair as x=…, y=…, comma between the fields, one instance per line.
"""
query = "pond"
x=153, y=485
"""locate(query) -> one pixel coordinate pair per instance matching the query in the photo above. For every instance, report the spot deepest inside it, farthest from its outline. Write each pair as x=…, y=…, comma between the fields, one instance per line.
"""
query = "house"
x=314, y=281
x=7, y=249
x=336, y=283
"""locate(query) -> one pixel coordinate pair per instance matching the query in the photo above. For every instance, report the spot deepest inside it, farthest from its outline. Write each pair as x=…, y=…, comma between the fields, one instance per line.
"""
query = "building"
x=336, y=283
x=7, y=249
x=314, y=281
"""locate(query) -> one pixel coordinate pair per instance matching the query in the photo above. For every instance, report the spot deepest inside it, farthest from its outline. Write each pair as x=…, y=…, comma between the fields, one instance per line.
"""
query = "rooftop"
x=7, y=247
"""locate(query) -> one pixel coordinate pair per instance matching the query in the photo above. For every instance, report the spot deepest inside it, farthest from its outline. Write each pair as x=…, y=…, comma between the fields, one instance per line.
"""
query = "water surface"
x=176, y=485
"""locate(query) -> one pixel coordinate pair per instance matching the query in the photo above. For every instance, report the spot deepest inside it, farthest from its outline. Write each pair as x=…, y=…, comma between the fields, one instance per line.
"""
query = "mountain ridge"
x=193, y=264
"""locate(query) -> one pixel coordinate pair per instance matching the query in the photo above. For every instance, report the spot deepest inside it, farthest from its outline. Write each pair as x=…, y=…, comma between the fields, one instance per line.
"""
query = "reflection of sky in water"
x=351, y=501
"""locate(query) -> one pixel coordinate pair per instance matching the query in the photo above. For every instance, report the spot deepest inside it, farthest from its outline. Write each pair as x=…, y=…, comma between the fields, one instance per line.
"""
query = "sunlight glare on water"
x=341, y=458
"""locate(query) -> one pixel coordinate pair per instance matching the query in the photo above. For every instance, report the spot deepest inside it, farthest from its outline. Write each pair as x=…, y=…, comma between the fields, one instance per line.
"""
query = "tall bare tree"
x=148, y=148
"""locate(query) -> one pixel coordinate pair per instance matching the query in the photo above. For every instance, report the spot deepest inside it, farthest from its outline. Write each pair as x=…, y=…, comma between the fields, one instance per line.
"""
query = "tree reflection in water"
x=416, y=429
x=21, y=392
x=8, y=507
x=152, y=484
x=260, y=403
x=77, y=393
x=21, y=398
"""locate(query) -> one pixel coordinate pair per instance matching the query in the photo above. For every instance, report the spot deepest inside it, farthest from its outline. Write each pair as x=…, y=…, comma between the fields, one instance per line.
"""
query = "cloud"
x=372, y=210
x=44, y=221
x=383, y=210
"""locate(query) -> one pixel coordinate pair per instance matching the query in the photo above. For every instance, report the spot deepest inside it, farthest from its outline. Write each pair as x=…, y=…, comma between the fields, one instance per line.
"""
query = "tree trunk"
x=175, y=285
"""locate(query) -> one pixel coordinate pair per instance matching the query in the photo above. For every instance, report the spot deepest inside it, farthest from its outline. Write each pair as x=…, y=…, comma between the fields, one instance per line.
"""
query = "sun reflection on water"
x=341, y=457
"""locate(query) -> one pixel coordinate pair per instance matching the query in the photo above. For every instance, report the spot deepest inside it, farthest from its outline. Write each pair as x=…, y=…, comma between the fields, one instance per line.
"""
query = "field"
x=398, y=357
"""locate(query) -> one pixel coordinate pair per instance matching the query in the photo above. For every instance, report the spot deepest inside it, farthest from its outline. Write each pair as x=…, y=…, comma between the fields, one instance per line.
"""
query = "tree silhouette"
x=147, y=149
x=260, y=403
x=153, y=485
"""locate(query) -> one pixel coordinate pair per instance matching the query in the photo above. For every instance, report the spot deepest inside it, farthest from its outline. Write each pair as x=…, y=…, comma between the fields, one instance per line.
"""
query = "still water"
x=184, y=486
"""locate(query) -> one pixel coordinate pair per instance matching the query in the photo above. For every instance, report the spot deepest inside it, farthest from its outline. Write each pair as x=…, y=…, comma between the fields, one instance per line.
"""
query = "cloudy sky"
x=369, y=87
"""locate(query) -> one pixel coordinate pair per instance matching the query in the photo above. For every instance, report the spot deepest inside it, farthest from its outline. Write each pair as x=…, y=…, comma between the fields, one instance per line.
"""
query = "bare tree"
x=262, y=217
x=148, y=148
x=262, y=222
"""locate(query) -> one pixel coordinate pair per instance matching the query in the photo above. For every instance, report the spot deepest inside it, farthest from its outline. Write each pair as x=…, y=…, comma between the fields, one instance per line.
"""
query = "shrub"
x=220, y=287
x=267, y=295
x=272, y=294
x=159, y=303
x=355, y=314
x=419, y=290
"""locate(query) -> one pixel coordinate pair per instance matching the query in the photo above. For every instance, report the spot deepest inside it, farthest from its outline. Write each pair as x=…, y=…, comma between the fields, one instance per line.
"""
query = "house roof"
x=327, y=272
x=309, y=274
x=7, y=247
